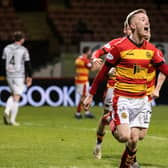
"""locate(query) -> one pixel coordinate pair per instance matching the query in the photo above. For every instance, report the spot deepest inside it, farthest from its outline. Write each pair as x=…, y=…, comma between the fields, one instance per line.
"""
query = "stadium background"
x=56, y=31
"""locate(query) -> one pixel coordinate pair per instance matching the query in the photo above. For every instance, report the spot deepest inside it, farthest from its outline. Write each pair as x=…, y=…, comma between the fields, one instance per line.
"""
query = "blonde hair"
x=126, y=24
x=132, y=14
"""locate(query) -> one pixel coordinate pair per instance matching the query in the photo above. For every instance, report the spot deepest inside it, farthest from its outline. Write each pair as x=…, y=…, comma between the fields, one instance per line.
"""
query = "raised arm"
x=111, y=60
x=97, y=61
x=159, y=63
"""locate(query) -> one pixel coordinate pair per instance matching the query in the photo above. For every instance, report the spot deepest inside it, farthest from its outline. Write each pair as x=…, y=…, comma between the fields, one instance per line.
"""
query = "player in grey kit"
x=18, y=74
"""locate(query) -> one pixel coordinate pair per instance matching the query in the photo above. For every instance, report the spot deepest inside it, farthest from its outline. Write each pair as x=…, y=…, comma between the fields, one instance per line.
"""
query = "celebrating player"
x=152, y=92
x=83, y=65
x=131, y=58
x=18, y=72
x=109, y=91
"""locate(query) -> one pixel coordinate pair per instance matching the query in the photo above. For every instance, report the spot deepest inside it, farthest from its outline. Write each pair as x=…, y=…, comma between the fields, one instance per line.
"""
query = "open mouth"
x=146, y=28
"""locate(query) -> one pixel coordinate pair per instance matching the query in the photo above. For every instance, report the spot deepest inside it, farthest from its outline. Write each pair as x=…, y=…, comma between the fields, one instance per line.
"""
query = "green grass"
x=51, y=138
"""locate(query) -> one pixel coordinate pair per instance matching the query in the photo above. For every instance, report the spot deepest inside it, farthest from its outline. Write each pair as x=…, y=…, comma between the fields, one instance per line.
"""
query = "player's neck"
x=18, y=43
x=136, y=39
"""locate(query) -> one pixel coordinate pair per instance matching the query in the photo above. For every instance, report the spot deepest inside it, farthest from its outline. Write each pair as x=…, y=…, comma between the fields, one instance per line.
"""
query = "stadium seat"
x=104, y=18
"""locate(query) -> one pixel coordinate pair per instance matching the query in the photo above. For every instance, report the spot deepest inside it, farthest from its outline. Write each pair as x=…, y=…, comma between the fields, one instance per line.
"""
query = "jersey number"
x=12, y=60
x=137, y=68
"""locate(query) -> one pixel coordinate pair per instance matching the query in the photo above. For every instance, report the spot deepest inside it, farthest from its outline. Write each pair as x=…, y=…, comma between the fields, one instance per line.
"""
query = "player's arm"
x=98, y=53
x=111, y=61
x=28, y=68
x=160, y=80
x=104, y=50
x=89, y=64
x=100, y=78
x=97, y=61
x=2, y=66
x=2, y=69
x=159, y=63
x=28, y=73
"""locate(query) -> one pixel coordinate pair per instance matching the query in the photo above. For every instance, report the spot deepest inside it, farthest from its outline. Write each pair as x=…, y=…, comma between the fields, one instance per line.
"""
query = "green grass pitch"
x=51, y=138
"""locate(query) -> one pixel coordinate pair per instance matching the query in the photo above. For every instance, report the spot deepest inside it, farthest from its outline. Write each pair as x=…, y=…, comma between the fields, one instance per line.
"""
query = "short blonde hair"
x=132, y=14
x=126, y=24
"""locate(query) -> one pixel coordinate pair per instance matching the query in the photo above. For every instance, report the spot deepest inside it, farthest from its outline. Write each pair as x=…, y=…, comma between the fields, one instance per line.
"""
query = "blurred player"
x=109, y=92
x=18, y=73
x=131, y=57
x=83, y=65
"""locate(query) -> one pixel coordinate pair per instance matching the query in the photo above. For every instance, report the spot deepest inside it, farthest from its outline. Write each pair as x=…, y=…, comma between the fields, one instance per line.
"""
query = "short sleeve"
x=26, y=55
x=157, y=58
x=107, y=47
x=113, y=56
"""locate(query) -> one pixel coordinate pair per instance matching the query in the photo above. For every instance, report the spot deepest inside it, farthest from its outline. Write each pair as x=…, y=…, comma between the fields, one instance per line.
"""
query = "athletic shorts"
x=82, y=89
x=16, y=85
x=108, y=99
x=133, y=111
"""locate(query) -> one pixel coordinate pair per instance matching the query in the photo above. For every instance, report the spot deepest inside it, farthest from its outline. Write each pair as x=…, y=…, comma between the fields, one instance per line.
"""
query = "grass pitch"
x=52, y=138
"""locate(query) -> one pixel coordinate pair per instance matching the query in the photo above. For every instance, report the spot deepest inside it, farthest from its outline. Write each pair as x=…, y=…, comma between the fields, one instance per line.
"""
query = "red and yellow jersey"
x=107, y=47
x=82, y=65
x=151, y=78
x=132, y=64
x=111, y=78
x=111, y=82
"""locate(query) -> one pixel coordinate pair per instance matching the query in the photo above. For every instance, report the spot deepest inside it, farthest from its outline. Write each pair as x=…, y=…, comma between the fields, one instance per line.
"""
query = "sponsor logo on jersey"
x=129, y=53
x=110, y=56
x=148, y=54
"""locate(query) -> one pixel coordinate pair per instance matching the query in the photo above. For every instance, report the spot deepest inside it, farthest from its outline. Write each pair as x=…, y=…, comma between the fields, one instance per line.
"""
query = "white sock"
x=87, y=112
x=9, y=105
x=14, y=111
x=78, y=113
x=98, y=145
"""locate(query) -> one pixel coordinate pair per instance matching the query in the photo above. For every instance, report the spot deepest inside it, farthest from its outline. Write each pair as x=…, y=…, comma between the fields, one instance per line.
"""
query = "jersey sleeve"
x=111, y=60
x=158, y=58
x=100, y=78
x=26, y=55
x=107, y=47
x=113, y=56
x=98, y=53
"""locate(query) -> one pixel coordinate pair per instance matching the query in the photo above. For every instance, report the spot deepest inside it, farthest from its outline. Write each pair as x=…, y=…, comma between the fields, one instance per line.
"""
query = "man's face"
x=140, y=24
x=148, y=36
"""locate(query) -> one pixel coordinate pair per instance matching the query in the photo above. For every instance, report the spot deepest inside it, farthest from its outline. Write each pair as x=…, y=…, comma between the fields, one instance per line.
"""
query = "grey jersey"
x=15, y=56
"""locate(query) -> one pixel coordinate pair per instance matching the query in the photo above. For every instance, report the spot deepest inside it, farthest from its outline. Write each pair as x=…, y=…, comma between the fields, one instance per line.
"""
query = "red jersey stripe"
x=130, y=80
